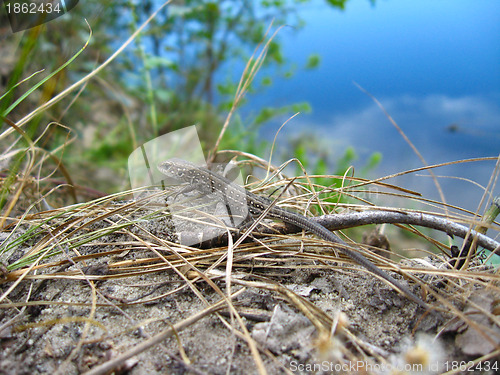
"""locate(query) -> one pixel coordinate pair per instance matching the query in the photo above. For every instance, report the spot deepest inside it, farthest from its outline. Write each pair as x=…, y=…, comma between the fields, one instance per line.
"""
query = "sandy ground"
x=375, y=329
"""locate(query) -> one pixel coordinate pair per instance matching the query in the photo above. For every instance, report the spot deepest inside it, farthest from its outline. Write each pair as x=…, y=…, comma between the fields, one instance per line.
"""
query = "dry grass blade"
x=408, y=141
x=252, y=67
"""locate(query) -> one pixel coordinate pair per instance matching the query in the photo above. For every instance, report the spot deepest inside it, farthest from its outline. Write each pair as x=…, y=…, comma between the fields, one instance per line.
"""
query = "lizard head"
x=175, y=168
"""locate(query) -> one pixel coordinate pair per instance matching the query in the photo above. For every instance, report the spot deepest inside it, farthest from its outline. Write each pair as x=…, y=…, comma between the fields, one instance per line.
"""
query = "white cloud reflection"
x=442, y=128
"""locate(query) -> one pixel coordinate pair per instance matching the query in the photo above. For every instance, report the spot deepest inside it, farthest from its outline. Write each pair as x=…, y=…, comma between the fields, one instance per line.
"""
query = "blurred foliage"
x=182, y=70
x=318, y=158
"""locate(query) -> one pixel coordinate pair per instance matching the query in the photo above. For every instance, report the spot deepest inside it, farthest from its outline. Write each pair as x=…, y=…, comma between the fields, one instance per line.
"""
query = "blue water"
x=433, y=65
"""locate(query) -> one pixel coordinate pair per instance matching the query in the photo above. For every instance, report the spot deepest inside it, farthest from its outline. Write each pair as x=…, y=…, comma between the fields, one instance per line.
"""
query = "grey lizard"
x=207, y=182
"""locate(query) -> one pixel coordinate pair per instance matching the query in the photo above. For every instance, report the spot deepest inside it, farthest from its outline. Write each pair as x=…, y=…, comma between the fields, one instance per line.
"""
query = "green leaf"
x=152, y=62
x=321, y=167
x=303, y=107
x=275, y=53
x=337, y=3
x=265, y=114
x=313, y=61
x=163, y=95
x=345, y=162
x=267, y=81
x=300, y=153
x=374, y=160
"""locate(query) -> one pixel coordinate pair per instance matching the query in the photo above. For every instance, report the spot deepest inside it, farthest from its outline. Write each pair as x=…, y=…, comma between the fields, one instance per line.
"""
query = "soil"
x=371, y=328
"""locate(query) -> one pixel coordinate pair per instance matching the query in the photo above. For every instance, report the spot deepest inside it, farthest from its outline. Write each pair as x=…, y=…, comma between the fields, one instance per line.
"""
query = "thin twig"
x=356, y=219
